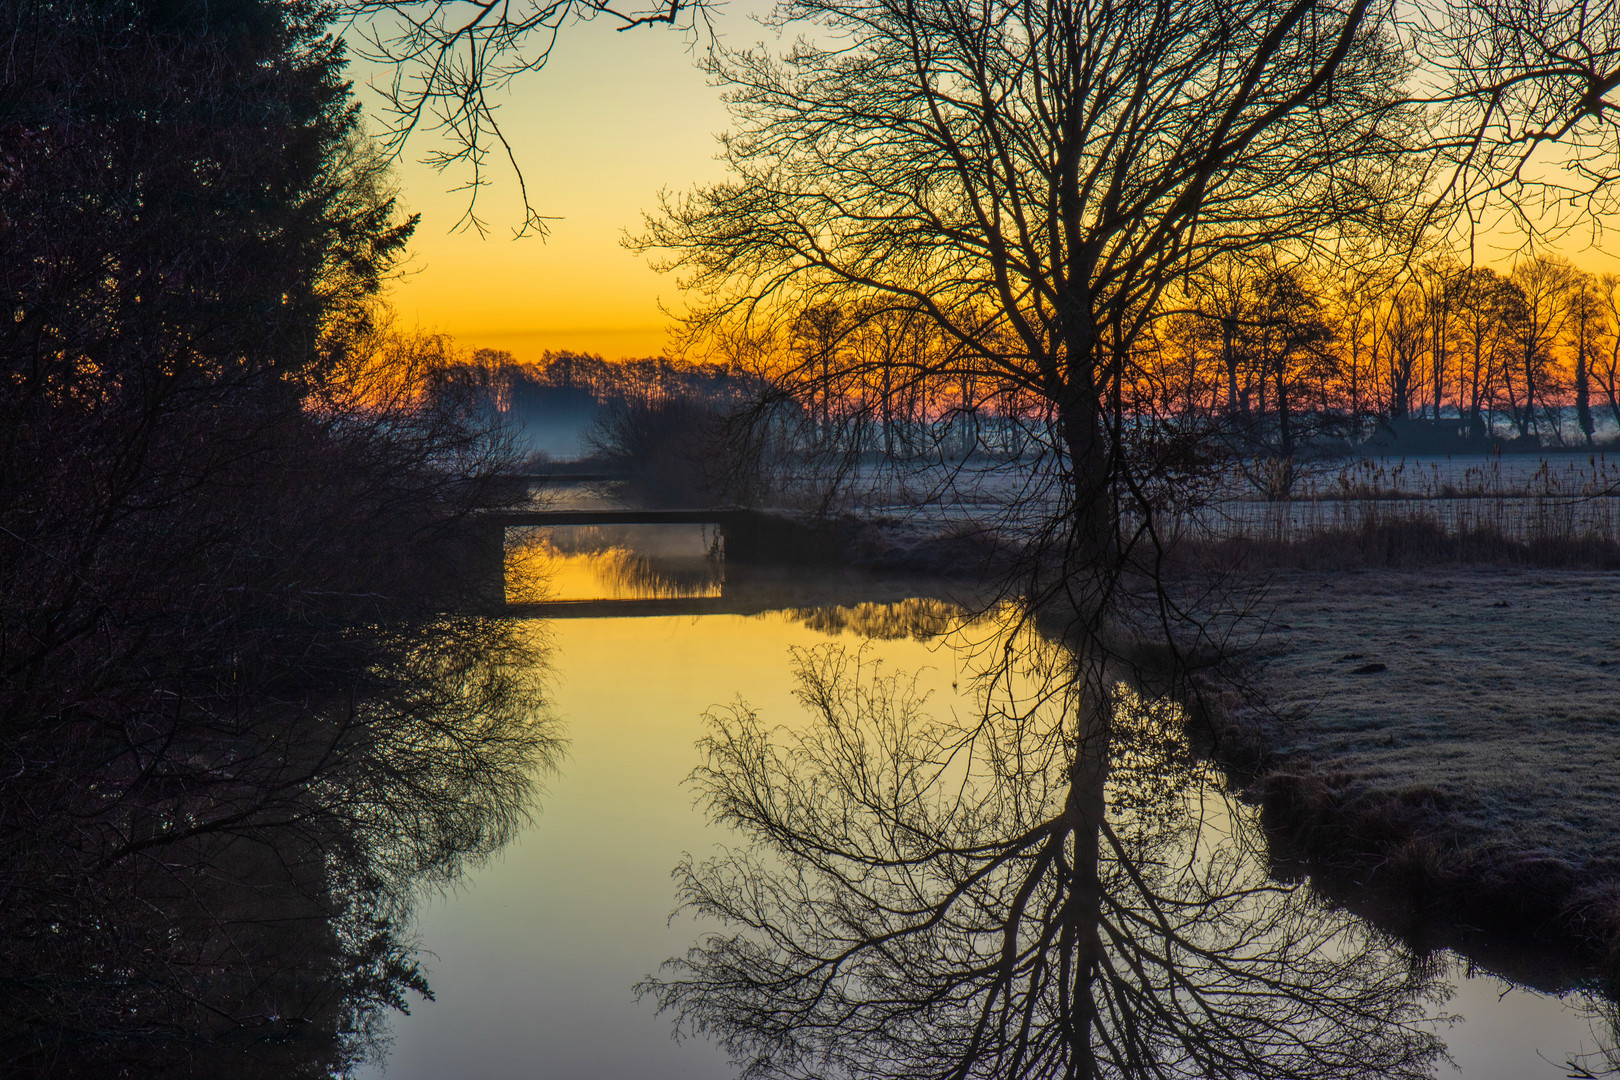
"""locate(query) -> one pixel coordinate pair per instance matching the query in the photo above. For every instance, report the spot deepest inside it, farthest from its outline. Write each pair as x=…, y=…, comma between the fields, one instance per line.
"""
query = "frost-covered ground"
x=1424, y=475
x=1501, y=693
x=1522, y=496
x=1500, y=688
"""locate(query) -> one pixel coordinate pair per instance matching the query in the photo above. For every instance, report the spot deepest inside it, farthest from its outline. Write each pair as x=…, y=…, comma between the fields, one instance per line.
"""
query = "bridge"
x=750, y=537
x=581, y=476
x=769, y=554
x=733, y=519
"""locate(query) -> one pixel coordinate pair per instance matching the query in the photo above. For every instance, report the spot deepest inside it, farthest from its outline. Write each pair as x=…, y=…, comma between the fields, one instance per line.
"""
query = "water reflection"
x=220, y=884
x=917, y=618
x=1051, y=886
x=1603, y=1015
x=641, y=562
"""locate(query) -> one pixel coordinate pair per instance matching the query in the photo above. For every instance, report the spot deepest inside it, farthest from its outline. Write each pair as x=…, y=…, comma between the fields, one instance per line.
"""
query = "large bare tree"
x=1030, y=179
x=1523, y=94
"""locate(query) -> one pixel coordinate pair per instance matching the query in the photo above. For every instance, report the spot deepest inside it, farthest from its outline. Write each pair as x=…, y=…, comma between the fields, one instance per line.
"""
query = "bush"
x=673, y=450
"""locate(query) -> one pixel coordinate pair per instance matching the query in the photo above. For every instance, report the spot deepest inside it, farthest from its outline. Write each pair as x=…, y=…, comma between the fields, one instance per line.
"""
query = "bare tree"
x=450, y=60
x=1535, y=323
x=1503, y=80
x=1482, y=305
x=1587, y=325
x=1438, y=280
x=1290, y=339
x=1606, y=367
x=1526, y=98
x=1407, y=336
x=1030, y=178
x=1223, y=300
x=1361, y=281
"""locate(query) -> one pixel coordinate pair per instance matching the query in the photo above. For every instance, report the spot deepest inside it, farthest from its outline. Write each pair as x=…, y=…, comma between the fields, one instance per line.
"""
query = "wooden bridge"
x=769, y=553
x=582, y=476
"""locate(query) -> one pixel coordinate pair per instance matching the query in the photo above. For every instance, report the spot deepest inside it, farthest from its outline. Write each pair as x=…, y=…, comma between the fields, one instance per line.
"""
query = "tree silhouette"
x=235, y=732
x=1025, y=182
x=222, y=884
x=1031, y=893
x=450, y=57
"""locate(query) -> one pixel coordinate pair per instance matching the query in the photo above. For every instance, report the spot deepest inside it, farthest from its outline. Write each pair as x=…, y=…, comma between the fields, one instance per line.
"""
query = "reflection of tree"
x=627, y=573
x=1009, y=897
x=538, y=570
x=631, y=562
x=920, y=618
x=1603, y=1014
x=221, y=884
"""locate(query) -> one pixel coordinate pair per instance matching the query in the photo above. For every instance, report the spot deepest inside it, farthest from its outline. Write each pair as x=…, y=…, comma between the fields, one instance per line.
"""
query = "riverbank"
x=1437, y=717
x=1448, y=736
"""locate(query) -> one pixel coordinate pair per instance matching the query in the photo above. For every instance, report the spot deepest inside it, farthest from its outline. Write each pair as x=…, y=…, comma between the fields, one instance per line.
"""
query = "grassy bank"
x=1447, y=735
x=1404, y=543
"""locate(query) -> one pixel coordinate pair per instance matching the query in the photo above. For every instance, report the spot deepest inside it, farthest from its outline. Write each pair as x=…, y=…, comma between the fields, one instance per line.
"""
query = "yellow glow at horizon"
x=611, y=120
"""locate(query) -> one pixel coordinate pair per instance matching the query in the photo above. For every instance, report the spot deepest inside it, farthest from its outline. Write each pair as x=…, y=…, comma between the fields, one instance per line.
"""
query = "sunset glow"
x=611, y=121
x=994, y=539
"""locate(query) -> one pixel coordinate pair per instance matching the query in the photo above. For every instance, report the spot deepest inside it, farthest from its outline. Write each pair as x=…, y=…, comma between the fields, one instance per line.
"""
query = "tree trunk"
x=1583, y=395
x=1285, y=433
x=1084, y=813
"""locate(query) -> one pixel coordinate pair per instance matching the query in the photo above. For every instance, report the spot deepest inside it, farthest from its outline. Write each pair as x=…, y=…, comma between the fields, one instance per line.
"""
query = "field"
x=1500, y=693
x=1519, y=497
x=1435, y=690
x=1451, y=733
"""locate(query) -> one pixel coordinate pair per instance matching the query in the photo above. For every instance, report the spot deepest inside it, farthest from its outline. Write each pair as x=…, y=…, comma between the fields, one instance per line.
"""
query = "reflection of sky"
x=535, y=957
x=633, y=562
x=1508, y=1034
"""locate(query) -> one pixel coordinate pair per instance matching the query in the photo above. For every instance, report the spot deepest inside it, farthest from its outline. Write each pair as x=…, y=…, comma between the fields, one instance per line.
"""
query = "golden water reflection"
x=634, y=562
x=917, y=618
x=1044, y=880
x=535, y=963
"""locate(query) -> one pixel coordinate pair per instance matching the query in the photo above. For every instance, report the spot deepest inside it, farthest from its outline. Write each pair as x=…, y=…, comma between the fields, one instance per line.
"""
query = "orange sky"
x=611, y=120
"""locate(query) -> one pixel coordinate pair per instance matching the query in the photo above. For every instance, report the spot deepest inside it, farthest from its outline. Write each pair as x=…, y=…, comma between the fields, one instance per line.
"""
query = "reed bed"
x=1381, y=511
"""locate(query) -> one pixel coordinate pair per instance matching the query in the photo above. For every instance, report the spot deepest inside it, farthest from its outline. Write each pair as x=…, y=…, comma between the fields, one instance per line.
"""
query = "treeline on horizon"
x=562, y=375
x=1279, y=353
x=1396, y=340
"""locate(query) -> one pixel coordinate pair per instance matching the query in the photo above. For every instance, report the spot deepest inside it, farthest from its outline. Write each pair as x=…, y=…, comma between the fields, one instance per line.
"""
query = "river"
x=534, y=955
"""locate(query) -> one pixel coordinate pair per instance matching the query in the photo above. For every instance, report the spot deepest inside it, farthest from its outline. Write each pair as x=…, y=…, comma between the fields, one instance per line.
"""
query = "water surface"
x=533, y=958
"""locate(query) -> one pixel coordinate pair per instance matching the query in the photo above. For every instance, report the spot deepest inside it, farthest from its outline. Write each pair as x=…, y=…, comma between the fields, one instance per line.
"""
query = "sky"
x=612, y=119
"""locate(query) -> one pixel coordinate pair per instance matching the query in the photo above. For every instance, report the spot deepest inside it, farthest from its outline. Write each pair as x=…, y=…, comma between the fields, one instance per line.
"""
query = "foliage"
x=236, y=736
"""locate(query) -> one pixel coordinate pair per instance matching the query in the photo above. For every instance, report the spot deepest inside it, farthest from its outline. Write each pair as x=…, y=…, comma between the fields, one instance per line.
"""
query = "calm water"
x=534, y=956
